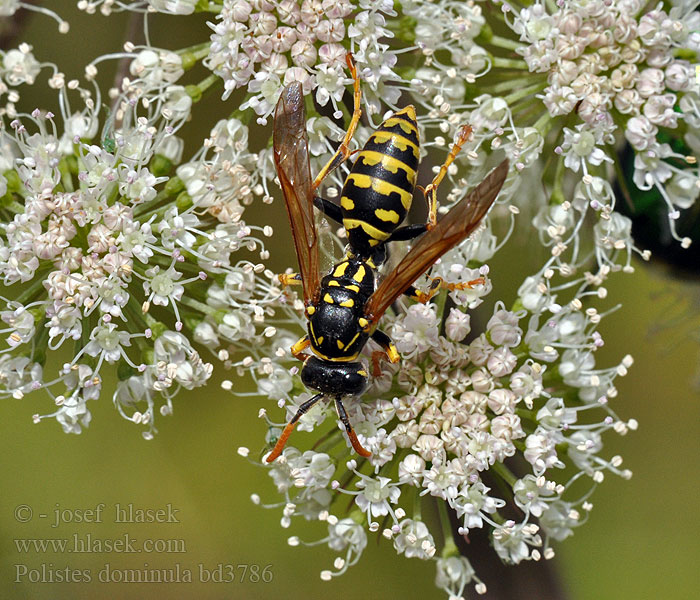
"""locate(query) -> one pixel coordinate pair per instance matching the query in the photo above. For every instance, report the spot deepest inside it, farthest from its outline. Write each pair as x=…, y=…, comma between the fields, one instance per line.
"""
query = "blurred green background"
x=640, y=542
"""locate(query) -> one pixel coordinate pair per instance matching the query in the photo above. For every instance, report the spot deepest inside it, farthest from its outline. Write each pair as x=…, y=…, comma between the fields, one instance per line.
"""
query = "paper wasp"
x=344, y=307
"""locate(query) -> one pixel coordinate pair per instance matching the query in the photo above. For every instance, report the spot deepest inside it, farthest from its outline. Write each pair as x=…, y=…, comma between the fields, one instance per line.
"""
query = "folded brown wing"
x=291, y=155
x=454, y=227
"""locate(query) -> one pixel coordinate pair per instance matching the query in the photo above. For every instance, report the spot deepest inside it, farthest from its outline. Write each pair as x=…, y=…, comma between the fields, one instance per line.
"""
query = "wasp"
x=344, y=306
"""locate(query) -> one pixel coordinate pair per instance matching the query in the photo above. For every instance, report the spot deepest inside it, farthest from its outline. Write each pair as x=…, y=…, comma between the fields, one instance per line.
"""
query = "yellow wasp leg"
x=430, y=191
x=289, y=279
x=389, y=350
x=343, y=151
x=299, y=347
x=437, y=284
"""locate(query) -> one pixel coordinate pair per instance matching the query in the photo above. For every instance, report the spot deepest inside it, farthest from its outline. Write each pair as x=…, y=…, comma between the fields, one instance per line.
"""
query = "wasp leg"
x=289, y=427
x=343, y=416
x=438, y=284
x=408, y=232
x=330, y=209
x=430, y=191
x=289, y=279
x=389, y=351
x=298, y=348
x=343, y=151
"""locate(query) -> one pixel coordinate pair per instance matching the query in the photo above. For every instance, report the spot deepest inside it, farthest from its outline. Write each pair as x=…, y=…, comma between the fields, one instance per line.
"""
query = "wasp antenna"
x=351, y=432
x=289, y=427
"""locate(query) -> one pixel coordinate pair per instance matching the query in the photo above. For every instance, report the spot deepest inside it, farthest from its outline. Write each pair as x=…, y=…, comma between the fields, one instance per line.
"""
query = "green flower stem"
x=509, y=63
x=12, y=205
x=449, y=548
x=417, y=509
x=526, y=414
x=87, y=326
x=196, y=91
x=522, y=93
x=135, y=324
x=201, y=307
x=621, y=180
x=520, y=445
x=502, y=42
x=142, y=211
x=441, y=301
x=192, y=55
x=66, y=176
x=558, y=196
x=544, y=123
x=244, y=116
x=391, y=469
x=40, y=342
x=32, y=292
x=504, y=472
x=515, y=84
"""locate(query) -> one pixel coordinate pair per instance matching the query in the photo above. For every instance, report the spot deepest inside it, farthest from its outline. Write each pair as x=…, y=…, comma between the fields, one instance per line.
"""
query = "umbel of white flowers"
x=122, y=255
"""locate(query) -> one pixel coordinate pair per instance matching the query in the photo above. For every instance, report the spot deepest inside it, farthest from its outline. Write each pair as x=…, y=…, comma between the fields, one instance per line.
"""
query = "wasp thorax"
x=333, y=328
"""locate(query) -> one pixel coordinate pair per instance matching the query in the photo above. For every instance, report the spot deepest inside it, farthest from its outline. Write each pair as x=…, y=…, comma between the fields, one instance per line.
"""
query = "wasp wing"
x=454, y=227
x=290, y=145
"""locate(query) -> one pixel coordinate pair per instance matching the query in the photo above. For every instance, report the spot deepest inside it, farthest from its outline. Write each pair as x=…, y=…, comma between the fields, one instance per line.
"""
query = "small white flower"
x=161, y=286
x=174, y=7
x=411, y=469
x=417, y=331
x=529, y=493
x=106, y=341
x=414, y=540
x=457, y=325
x=376, y=495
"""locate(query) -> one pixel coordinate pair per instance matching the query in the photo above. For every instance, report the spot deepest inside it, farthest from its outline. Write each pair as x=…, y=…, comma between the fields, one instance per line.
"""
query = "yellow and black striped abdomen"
x=378, y=192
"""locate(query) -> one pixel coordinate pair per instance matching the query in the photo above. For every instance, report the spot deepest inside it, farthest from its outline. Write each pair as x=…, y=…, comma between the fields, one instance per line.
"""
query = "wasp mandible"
x=344, y=307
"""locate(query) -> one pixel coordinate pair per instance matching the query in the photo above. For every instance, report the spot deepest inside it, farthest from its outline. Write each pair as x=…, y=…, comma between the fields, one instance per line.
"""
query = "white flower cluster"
x=617, y=67
x=446, y=422
x=105, y=247
x=265, y=44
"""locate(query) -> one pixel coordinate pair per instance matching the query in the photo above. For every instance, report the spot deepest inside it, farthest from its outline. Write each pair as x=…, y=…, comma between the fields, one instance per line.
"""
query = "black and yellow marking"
x=334, y=358
x=360, y=274
x=340, y=269
x=378, y=192
x=350, y=276
x=344, y=292
x=373, y=186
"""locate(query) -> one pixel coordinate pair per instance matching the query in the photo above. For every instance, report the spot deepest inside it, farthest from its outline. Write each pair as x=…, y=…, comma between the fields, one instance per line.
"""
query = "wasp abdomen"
x=378, y=192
